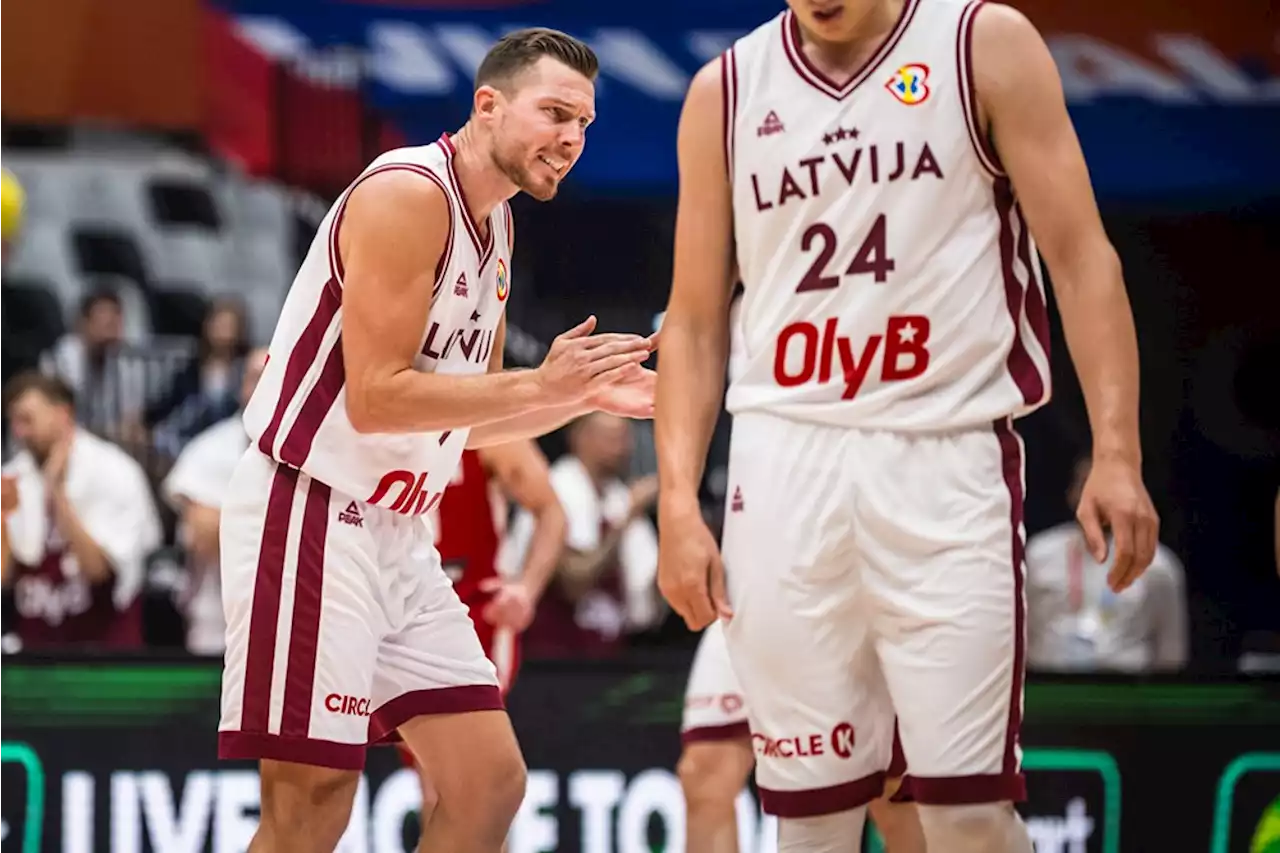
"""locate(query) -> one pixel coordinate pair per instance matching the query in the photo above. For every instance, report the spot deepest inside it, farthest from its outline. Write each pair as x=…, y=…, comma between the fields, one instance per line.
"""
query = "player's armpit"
x=1020, y=93
x=392, y=236
x=524, y=476
x=695, y=329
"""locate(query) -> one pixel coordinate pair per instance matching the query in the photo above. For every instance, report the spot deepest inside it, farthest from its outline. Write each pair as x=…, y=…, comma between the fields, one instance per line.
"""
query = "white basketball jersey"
x=891, y=282
x=298, y=413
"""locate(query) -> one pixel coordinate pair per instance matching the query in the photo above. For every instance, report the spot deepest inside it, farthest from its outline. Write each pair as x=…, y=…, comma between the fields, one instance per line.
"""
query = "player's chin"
x=542, y=189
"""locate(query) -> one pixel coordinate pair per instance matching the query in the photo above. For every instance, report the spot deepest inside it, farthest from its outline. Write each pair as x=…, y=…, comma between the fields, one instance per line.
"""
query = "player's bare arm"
x=695, y=347
x=523, y=474
x=1021, y=95
x=392, y=238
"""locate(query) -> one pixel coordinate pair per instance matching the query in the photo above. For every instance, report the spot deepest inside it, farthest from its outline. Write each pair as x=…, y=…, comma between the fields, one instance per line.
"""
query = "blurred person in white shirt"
x=79, y=523
x=604, y=587
x=195, y=488
x=1076, y=623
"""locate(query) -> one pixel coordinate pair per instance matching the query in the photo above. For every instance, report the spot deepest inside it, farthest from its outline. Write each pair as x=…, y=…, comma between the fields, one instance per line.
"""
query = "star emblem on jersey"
x=840, y=134
x=475, y=316
x=909, y=84
x=503, y=286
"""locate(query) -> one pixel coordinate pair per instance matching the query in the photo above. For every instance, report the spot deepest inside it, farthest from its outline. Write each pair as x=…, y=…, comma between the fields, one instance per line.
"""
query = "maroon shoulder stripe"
x=729, y=104
x=485, y=246
x=982, y=146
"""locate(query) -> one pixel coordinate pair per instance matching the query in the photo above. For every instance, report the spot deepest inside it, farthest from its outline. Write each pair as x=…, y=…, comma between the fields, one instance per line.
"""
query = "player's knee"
x=981, y=828
x=499, y=790
x=303, y=801
x=713, y=773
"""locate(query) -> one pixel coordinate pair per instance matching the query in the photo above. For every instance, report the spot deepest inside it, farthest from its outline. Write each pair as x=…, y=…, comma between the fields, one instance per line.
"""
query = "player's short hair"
x=518, y=50
x=51, y=388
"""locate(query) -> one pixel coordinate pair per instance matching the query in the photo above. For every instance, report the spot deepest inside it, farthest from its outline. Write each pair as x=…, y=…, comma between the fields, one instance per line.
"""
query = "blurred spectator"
x=1076, y=623
x=17, y=351
x=79, y=523
x=207, y=389
x=109, y=386
x=604, y=587
x=195, y=488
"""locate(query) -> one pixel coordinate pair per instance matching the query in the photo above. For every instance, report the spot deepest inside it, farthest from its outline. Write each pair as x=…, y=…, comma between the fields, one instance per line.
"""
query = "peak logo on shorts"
x=350, y=706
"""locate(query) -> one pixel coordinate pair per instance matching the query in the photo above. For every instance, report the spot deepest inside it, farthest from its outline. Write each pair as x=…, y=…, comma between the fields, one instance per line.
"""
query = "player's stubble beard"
x=510, y=166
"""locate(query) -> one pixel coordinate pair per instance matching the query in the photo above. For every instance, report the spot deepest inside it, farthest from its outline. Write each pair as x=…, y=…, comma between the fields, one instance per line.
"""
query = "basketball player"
x=717, y=752
x=876, y=169
x=342, y=629
x=469, y=522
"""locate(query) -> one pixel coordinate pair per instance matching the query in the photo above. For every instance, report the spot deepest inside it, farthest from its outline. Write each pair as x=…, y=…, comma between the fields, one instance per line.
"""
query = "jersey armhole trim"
x=336, y=269
x=729, y=105
x=981, y=142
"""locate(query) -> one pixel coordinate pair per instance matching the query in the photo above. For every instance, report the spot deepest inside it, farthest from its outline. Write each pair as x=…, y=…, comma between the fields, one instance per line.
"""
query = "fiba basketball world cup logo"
x=504, y=286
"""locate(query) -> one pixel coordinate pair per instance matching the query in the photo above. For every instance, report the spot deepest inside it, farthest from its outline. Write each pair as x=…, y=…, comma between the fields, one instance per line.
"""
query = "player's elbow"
x=362, y=409
x=1089, y=260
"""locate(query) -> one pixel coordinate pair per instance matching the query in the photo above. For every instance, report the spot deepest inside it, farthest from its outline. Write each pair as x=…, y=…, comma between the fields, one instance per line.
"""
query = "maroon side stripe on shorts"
x=256, y=708
x=304, y=636
x=305, y=351
x=1011, y=458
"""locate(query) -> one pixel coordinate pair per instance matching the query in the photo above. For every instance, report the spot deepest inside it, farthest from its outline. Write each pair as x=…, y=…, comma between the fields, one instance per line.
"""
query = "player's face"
x=830, y=20
x=38, y=422
x=540, y=126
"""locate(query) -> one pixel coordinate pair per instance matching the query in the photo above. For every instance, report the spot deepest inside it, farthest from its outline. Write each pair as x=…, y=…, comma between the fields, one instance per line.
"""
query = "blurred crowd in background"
x=145, y=259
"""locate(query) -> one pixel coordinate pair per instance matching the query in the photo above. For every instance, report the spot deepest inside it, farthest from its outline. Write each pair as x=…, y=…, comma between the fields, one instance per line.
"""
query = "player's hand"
x=580, y=364
x=55, y=466
x=690, y=571
x=512, y=605
x=8, y=495
x=630, y=396
x=1114, y=499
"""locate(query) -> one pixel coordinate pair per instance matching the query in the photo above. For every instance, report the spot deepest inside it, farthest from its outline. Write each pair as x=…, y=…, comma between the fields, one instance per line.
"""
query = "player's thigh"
x=820, y=718
x=303, y=622
x=714, y=708
x=944, y=540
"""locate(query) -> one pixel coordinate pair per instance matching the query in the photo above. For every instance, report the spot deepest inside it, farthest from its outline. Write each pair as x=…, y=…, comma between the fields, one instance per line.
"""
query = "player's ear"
x=485, y=101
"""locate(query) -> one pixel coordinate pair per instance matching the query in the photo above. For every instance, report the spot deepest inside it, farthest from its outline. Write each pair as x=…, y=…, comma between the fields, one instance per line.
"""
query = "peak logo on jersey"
x=503, y=286
x=910, y=84
x=460, y=286
x=736, y=504
x=351, y=515
x=771, y=125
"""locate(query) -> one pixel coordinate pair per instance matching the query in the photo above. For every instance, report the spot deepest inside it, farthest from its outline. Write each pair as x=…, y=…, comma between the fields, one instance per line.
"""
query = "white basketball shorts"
x=341, y=623
x=877, y=583
x=713, y=705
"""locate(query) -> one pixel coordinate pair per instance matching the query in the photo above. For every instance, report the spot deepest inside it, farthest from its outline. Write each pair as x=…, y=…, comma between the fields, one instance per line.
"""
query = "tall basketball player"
x=470, y=522
x=877, y=168
x=342, y=628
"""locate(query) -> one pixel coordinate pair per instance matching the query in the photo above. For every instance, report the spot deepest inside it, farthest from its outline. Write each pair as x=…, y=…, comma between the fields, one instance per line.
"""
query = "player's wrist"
x=678, y=500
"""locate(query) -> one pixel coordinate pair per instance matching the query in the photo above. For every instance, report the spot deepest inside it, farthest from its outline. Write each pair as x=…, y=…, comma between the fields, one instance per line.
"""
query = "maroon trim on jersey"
x=483, y=246
x=304, y=353
x=1022, y=369
x=740, y=730
x=319, y=400
x=507, y=221
x=1009, y=784
x=304, y=630
x=335, y=256
x=982, y=145
x=793, y=46
x=462, y=699
x=729, y=104
x=814, y=802
x=1037, y=310
x=255, y=710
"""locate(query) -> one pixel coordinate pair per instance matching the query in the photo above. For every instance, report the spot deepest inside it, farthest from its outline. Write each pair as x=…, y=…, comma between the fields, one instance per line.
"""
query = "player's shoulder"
x=1005, y=42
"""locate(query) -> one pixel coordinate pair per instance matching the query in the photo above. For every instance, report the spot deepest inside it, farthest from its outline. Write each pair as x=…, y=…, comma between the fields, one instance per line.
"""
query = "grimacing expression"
x=539, y=121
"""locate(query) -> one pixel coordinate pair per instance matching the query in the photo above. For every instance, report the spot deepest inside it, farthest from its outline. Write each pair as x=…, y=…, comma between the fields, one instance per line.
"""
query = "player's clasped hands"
x=690, y=571
x=580, y=364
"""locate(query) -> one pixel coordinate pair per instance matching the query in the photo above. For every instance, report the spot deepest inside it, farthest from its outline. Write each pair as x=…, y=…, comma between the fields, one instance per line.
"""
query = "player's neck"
x=840, y=59
x=483, y=185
